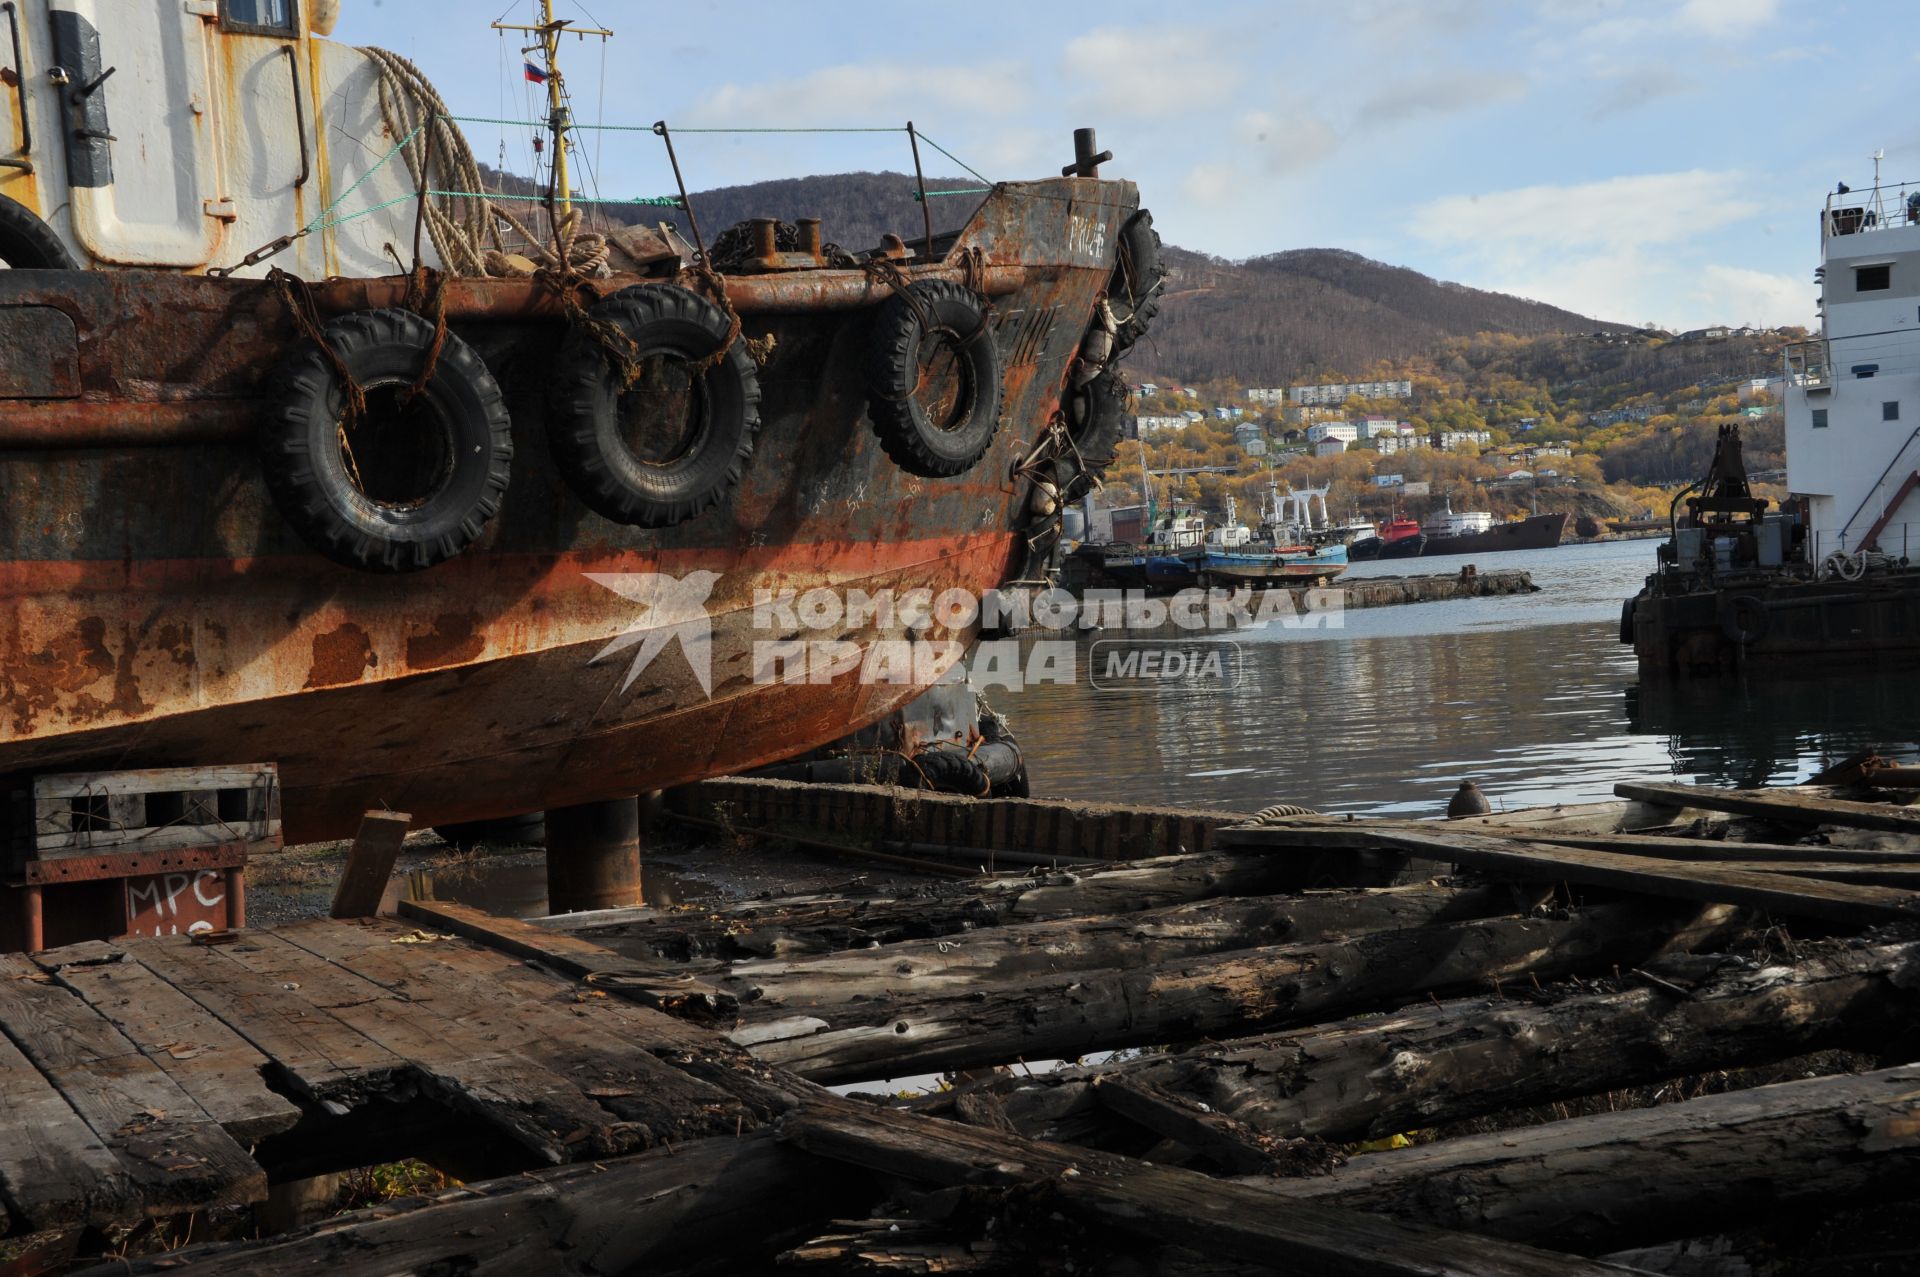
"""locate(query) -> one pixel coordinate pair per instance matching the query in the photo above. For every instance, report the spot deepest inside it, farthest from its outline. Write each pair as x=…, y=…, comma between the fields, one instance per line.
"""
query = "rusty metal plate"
x=42, y=350
x=181, y=903
x=93, y=868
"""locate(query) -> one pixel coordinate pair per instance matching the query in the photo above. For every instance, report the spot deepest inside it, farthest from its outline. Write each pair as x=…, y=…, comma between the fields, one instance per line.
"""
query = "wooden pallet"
x=146, y=811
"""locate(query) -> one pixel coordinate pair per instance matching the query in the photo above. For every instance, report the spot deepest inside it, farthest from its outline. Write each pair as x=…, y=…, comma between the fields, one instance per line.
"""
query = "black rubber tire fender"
x=1098, y=420
x=300, y=452
x=583, y=428
x=1133, y=292
x=1744, y=619
x=915, y=443
x=1627, y=610
x=27, y=243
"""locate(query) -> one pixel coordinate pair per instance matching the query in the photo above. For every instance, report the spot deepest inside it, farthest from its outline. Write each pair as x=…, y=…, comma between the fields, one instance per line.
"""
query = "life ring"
x=670, y=446
x=1744, y=619
x=934, y=404
x=1133, y=291
x=416, y=479
x=27, y=243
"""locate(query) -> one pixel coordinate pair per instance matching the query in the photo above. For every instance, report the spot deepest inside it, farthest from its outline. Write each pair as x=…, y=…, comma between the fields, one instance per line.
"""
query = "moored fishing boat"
x=475, y=546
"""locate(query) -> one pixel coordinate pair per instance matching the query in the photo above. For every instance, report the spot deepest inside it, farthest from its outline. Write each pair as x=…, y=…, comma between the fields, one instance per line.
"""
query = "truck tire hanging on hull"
x=412, y=481
x=670, y=445
x=934, y=379
x=1133, y=292
x=27, y=243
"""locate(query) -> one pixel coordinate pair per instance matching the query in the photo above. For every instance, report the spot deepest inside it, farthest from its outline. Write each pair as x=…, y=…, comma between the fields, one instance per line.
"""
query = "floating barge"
x=623, y=1091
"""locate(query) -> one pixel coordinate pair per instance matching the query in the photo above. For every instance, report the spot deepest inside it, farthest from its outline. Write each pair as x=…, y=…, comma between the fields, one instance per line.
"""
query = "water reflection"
x=1532, y=696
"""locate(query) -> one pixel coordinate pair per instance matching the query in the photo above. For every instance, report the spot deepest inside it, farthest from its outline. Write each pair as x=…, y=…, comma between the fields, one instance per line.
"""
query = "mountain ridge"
x=1289, y=316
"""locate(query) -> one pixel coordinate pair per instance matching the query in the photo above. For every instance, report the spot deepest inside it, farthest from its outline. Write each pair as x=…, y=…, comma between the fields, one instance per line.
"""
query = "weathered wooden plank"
x=1854, y=904
x=1435, y=1063
x=1071, y=1013
x=542, y=1111
x=53, y=1169
x=1787, y=808
x=1712, y=850
x=175, y=1156
x=326, y=1061
x=711, y=1201
x=222, y=1071
x=549, y=1022
x=370, y=864
x=1611, y=1180
x=650, y=984
x=1164, y=1203
x=917, y=968
x=1215, y=1136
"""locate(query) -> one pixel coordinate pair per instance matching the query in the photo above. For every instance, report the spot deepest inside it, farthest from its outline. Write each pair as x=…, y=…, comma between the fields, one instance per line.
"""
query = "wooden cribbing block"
x=370, y=864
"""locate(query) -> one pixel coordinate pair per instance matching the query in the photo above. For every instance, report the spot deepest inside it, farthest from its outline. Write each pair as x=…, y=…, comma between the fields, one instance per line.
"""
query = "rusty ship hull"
x=155, y=610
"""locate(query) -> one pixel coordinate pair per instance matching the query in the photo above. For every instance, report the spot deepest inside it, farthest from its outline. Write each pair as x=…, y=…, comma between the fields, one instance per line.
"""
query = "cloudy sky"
x=1636, y=160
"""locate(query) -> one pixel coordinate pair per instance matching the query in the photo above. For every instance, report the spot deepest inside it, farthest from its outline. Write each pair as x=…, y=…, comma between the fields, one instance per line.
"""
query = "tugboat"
x=1829, y=575
x=1398, y=538
x=479, y=545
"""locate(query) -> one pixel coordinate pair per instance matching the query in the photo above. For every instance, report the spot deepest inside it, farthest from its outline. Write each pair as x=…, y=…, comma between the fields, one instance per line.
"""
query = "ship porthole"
x=412, y=480
x=669, y=444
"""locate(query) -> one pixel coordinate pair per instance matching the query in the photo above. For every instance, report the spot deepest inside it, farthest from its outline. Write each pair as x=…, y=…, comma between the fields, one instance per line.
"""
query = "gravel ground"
x=298, y=883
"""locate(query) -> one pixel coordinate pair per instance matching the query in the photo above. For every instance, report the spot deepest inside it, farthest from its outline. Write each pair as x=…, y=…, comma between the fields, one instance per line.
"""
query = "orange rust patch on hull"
x=453, y=640
x=341, y=655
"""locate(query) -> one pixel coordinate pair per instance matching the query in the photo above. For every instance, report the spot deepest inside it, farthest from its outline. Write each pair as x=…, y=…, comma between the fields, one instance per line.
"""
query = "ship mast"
x=559, y=119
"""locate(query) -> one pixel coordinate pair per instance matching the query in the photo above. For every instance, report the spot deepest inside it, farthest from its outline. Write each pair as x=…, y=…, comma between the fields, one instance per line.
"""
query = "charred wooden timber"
x=1600, y=1183
x=1069, y=1014
x=1844, y=903
x=1156, y=1204
x=731, y=1205
x=966, y=962
x=1427, y=1065
x=829, y=923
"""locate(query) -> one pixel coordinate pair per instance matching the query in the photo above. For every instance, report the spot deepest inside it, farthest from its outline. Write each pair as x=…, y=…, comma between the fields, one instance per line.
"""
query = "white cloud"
x=1631, y=88
x=1112, y=67
x=1438, y=93
x=1723, y=19
x=1286, y=143
x=866, y=95
x=1619, y=212
x=1212, y=184
x=1740, y=295
x=1626, y=248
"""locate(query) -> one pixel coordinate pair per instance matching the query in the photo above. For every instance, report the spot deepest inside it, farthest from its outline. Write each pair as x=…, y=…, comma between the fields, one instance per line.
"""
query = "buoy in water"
x=1467, y=801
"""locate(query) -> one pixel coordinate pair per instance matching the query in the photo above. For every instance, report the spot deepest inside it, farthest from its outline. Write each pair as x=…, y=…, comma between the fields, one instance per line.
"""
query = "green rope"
x=956, y=159
x=378, y=164
x=958, y=190
x=643, y=128
x=650, y=201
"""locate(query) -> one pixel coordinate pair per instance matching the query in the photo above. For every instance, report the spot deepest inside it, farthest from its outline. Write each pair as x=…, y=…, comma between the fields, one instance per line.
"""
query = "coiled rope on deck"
x=465, y=228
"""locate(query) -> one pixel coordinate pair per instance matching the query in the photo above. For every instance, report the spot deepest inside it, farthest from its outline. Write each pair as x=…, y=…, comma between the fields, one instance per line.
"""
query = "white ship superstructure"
x=1852, y=394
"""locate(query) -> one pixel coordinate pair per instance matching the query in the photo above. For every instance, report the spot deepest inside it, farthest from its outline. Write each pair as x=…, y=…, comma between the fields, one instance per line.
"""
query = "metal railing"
x=1877, y=208
x=1809, y=364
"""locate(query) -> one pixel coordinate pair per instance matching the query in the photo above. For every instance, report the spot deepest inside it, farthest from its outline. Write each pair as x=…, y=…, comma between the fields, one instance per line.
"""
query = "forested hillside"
x=1316, y=314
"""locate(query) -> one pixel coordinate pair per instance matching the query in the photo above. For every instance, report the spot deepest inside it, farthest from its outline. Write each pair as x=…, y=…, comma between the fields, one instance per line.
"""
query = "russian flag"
x=535, y=74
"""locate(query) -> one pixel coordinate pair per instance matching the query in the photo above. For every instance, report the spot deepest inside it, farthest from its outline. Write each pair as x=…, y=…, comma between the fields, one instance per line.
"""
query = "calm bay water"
x=1531, y=696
